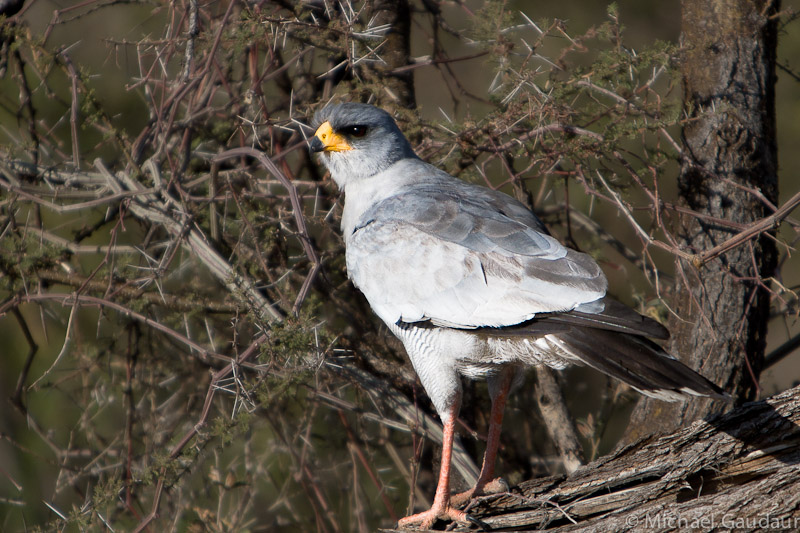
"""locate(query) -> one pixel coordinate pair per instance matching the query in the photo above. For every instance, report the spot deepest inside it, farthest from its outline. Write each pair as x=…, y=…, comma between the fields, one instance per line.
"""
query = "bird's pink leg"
x=441, y=508
x=486, y=482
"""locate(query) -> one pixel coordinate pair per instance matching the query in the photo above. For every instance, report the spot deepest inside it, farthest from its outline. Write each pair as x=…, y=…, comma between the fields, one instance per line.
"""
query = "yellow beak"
x=327, y=140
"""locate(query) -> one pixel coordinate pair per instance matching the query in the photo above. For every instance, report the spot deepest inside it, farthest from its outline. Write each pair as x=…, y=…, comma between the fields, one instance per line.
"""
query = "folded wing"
x=465, y=261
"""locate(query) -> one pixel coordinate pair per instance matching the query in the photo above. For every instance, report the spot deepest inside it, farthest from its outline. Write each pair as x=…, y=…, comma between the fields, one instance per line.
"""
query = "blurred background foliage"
x=117, y=332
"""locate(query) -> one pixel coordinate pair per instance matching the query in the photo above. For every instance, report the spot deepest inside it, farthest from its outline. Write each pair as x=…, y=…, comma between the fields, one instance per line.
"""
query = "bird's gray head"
x=357, y=141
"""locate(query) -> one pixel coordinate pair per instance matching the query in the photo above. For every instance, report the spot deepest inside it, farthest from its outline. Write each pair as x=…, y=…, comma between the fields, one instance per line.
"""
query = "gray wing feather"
x=472, y=222
x=461, y=260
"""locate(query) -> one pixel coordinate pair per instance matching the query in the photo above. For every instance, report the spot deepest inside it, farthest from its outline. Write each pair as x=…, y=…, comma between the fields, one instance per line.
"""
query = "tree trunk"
x=396, y=50
x=729, y=153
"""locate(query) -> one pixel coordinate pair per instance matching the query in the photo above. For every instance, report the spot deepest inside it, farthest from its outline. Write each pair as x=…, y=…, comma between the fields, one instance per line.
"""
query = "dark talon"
x=483, y=525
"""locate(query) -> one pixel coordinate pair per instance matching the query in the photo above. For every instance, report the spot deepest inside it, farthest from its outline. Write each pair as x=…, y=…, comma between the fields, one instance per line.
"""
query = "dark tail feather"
x=640, y=363
x=613, y=341
x=615, y=316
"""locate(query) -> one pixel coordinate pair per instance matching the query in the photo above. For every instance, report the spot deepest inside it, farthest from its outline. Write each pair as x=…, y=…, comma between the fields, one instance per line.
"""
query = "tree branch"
x=745, y=460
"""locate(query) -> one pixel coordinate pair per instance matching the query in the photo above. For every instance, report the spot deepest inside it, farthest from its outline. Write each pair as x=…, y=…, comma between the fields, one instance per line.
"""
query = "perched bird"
x=472, y=283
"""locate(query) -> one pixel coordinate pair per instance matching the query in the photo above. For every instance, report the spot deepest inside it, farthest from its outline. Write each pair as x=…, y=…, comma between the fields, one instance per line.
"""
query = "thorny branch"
x=203, y=245
x=297, y=209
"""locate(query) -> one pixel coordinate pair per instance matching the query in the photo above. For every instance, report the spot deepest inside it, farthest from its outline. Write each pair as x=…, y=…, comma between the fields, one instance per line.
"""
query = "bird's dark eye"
x=355, y=131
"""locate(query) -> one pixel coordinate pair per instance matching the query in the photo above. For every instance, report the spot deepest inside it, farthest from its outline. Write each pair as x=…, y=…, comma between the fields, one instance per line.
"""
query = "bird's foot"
x=496, y=486
x=426, y=519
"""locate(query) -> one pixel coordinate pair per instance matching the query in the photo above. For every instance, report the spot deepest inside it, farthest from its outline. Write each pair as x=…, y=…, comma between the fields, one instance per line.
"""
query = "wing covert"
x=461, y=262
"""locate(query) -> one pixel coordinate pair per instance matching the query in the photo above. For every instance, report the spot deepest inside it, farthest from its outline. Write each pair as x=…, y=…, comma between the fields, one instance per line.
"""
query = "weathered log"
x=740, y=470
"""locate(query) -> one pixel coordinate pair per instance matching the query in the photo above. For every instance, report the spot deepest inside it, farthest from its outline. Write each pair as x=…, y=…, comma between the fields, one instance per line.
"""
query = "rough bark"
x=730, y=151
x=734, y=471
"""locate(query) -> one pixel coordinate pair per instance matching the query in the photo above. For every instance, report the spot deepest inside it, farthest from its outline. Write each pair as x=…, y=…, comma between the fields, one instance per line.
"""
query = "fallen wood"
x=737, y=471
